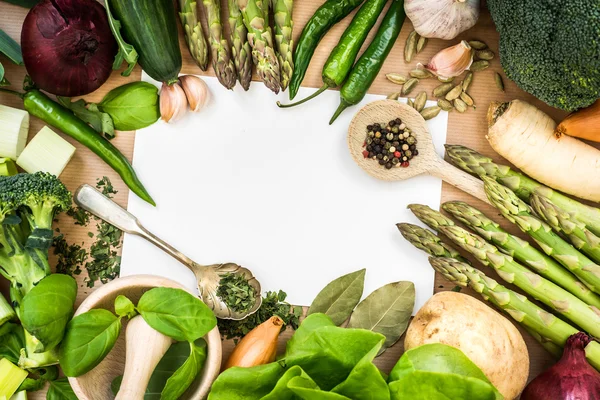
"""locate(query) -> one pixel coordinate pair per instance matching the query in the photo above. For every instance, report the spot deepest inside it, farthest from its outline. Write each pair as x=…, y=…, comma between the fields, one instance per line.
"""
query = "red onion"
x=571, y=378
x=67, y=45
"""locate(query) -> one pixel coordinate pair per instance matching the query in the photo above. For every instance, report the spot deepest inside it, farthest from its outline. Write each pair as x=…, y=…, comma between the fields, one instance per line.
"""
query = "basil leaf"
x=101, y=122
x=178, y=383
x=126, y=52
x=32, y=383
x=89, y=338
x=47, y=308
x=339, y=297
x=10, y=48
x=132, y=106
x=124, y=307
x=60, y=390
x=387, y=311
x=176, y=313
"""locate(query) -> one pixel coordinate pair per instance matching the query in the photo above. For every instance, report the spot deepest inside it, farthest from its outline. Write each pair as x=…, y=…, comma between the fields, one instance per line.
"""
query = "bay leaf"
x=387, y=311
x=339, y=297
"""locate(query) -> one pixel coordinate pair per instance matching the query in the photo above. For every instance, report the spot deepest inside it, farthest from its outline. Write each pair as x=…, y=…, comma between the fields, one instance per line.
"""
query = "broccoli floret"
x=551, y=48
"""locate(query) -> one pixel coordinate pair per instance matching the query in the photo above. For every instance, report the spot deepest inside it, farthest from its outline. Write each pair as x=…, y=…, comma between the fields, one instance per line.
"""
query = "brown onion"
x=67, y=45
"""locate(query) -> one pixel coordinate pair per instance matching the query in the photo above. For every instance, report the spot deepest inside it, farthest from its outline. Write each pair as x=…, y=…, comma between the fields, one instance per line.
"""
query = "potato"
x=490, y=340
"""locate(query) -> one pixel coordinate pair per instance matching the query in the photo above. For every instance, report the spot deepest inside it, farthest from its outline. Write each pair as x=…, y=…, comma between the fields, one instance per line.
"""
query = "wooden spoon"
x=207, y=276
x=428, y=162
x=144, y=348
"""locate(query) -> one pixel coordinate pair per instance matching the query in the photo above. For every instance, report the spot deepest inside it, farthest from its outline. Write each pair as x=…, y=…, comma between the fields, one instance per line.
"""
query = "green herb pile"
x=273, y=304
x=236, y=292
x=102, y=262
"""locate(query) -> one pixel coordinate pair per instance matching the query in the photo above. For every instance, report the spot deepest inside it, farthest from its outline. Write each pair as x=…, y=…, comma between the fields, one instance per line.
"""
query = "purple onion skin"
x=67, y=45
x=571, y=378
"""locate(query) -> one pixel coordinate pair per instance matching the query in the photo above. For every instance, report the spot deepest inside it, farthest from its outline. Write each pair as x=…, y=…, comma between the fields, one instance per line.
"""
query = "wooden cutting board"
x=468, y=129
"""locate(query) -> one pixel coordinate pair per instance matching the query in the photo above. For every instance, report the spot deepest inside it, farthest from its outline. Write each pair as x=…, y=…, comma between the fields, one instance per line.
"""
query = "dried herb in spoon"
x=236, y=292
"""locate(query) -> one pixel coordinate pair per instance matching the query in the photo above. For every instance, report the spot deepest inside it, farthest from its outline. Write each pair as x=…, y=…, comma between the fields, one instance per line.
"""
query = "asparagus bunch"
x=519, y=213
x=240, y=48
x=220, y=50
x=509, y=270
x=194, y=36
x=282, y=14
x=478, y=164
x=563, y=222
x=520, y=250
x=256, y=18
x=548, y=327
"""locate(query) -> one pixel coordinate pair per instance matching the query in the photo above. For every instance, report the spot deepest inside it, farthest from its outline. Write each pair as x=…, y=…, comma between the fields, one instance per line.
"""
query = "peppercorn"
x=410, y=140
x=369, y=128
x=395, y=160
x=365, y=153
x=378, y=149
x=392, y=149
x=395, y=129
x=371, y=154
x=377, y=134
x=385, y=158
x=389, y=136
x=415, y=153
x=408, y=153
x=379, y=156
x=387, y=145
x=388, y=165
x=406, y=134
x=398, y=121
x=397, y=154
x=392, y=123
x=381, y=162
x=404, y=158
x=404, y=147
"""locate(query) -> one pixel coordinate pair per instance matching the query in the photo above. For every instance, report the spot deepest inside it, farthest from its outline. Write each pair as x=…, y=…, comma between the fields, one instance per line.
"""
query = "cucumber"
x=150, y=26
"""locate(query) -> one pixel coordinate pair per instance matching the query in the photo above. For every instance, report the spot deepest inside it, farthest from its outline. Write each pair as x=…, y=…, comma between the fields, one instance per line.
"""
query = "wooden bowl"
x=95, y=385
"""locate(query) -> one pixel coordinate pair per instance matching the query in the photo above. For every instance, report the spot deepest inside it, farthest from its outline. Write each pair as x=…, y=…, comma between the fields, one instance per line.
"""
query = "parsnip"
x=525, y=136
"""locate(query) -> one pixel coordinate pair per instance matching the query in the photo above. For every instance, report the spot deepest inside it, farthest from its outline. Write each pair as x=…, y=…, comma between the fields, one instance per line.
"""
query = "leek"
x=7, y=167
x=22, y=395
x=6, y=311
x=47, y=152
x=11, y=378
x=14, y=126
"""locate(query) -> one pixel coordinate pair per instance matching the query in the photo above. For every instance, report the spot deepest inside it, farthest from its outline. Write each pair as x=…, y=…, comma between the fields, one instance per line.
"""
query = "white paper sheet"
x=277, y=192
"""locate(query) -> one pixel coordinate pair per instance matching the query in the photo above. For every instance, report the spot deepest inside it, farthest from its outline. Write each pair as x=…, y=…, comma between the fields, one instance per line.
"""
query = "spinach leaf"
x=173, y=359
x=47, y=308
x=239, y=383
x=11, y=342
x=60, y=390
x=178, y=383
x=307, y=389
x=439, y=372
x=176, y=313
x=89, y=338
x=124, y=307
x=281, y=390
x=387, y=311
x=132, y=106
x=339, y=297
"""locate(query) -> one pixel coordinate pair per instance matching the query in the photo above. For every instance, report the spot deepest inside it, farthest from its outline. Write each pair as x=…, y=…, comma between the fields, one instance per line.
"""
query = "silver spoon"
x=207, y=276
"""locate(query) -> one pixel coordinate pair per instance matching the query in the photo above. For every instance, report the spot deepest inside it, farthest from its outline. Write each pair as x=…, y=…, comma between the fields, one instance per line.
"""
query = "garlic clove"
x=451, y=61
x=173, y=103
x=196, y=91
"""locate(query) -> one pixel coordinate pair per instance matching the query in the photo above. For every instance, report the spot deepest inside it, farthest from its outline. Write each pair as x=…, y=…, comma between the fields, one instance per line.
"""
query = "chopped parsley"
x=236, y=292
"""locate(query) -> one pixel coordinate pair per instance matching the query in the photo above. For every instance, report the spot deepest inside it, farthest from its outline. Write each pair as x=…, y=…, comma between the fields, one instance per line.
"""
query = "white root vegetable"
x=486, y=337
x=46, y=152
x=525, y=136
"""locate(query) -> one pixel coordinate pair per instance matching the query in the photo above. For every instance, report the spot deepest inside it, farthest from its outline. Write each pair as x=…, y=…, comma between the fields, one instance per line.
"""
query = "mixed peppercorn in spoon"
x=392, y=145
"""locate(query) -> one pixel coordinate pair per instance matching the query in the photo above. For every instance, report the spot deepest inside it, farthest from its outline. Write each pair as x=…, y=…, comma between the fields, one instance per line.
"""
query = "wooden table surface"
x=468, y=129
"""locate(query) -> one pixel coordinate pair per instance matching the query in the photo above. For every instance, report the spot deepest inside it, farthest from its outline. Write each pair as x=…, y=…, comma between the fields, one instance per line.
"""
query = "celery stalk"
x=7, y=167
x=11, y=378
x=6, y=311
x=47, y=152
x=14, y=126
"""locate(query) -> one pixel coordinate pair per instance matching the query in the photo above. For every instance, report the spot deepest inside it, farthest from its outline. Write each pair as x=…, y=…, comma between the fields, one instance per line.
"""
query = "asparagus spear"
x=240, y=48
x=431, y=218
x=478, y=164
x=519, y=213
x=261, y=41
x=547, y=326
x=425, y=240
x=521, y=250
x=220, y=50
x=194, y=36
x=563, y=222
x=282, y=13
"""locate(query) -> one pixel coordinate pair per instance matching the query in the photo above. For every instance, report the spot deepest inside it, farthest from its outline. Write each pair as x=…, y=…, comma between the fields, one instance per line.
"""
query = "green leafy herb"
x=178, y=383
x=105, y=263
x=273, y=304
x=236, y=292
x=38, y=378
x=106, y=187
x=126, y=52
x=89, y=338
x=387, y=311
x=11, y=342
x=339, y=297
x=132, y=106
x=80, y=216
x=124, y=307
x=47, y=308
x=90, y=113
x=71, y=257
x=60, y=390
x=176, y=313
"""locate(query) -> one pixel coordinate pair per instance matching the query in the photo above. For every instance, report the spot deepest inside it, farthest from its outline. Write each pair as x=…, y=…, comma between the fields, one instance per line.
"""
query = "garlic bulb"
x=442, y=19
x=451, y=61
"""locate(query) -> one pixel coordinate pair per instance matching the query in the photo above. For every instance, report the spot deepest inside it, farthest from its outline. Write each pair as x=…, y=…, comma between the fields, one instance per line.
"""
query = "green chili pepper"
x=369, y=64
x=342, y=57
x=49, y=111
x=329, y=14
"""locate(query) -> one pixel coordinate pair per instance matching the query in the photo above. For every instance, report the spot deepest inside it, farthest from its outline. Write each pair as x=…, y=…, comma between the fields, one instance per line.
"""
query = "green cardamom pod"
x=410, y=103
x=479, y=65
x=409, y=86
x=485, y=55
x=477, y=44
x=442, y=90
x=499, y=81
x=464, y=96
x=454, y=93
x=411, y=47
x=420, y=73
x=420, y=101
x=445, y=80
x=460, y=105
x=467, y=81
x=430, y=112
x=396, y=78
x=445, y=105
x=421, y=43
x=393, y=96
